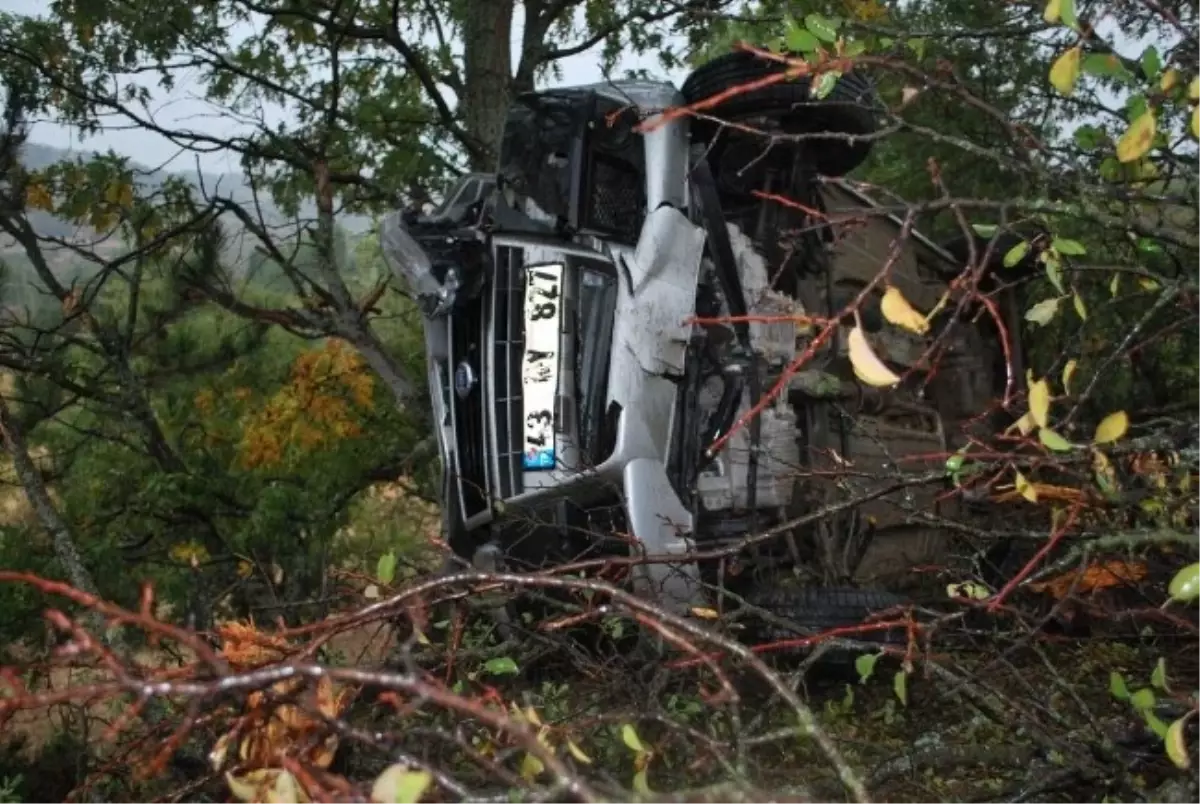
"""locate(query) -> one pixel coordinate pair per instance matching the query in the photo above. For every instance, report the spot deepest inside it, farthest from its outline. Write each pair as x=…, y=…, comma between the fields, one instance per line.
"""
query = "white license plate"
x=539, y=370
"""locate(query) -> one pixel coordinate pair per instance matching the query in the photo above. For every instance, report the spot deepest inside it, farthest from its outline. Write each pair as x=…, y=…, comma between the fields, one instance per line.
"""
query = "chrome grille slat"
x=508, y=331
x=467, y=343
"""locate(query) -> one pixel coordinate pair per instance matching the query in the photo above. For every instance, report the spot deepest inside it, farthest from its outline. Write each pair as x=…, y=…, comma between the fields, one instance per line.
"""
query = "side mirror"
x=411, y=264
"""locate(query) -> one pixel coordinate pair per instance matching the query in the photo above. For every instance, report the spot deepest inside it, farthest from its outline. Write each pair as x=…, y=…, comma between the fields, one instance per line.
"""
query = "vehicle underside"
x=636, y=340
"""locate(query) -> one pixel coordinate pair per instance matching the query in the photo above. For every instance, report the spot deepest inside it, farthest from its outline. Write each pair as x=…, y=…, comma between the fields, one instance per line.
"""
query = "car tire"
x=813, y=609
x=851, y=108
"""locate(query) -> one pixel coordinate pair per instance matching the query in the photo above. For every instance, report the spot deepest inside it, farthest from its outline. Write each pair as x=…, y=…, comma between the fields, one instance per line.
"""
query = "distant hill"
x=36, y=156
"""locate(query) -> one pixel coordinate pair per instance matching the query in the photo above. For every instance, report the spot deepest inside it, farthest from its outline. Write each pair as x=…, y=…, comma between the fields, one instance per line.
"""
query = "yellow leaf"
x=705, y=614
x=1025, y=424
x=1024, y=488
x=531, y=767
x=245, y=569
x=867, y=365
x=1067, y=373
x=898, y=311
x=271, y=785
x=1112, y=427
x=1194, y=89
x=629, y=736
x=399, y=785
x=38, y=197
x=285, y=790
x=1053, y=441
x=1039, y=402
x=1168, y=80
x=1053, y=11
x=246, y=788
x=1065, y=71
x=968, y=589
x=216, y=757
x=1079, y=308
x=1137, y=139
x=1176, y=745
x=577, y=752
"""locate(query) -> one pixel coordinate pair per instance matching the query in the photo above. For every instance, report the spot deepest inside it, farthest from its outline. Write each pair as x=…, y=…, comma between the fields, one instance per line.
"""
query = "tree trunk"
x=487, y=75
x=39, y=499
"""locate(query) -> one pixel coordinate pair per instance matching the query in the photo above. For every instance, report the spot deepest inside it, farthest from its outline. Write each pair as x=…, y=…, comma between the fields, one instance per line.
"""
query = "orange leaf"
x=1098, y=575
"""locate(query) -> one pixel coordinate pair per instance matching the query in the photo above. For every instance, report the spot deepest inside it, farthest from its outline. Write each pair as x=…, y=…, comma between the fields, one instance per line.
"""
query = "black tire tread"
x=820, y=608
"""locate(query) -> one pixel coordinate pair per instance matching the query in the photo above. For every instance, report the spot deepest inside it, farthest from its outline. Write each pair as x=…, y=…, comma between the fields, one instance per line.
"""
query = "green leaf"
x=1156, y=725
x=1135, y=107
x=821, y=27
x=1143, y=699
x=1016, y=254
x=1066, y=9
x=501, y=666
x=385, y=569
x=1089, y=137
x=826, y=83
x=1151, y=63
x=412, y=786
x=1080, y=309
x=798, y=39
x=1105, y=65
x=1159, y=677
x=987, y=230
x=1043, y=312
x=1148, y=246
x=900, y=686
x=1053, y=441
x=1054, y=270
x=855, y=48
x=1185, y=586
x=1116, y=686
x=1069, y=248
x=917, y=46
x=865, y=665
x=640, y=784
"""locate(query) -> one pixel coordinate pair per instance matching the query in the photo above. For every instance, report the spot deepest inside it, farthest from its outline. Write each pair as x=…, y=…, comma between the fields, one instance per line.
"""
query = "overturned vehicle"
x=636, y=336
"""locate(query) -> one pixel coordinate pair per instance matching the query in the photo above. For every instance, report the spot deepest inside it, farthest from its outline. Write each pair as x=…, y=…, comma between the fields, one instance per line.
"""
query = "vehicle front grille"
x=508, y=331
x=488, y=336
x=470, y=438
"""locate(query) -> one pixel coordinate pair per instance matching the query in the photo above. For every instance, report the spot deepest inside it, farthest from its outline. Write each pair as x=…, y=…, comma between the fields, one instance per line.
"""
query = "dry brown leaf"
x=1045, y=492
x=1098, y=575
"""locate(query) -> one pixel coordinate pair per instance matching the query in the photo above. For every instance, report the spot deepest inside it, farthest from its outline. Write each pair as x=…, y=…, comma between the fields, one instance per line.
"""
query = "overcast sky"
x=183, y=107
